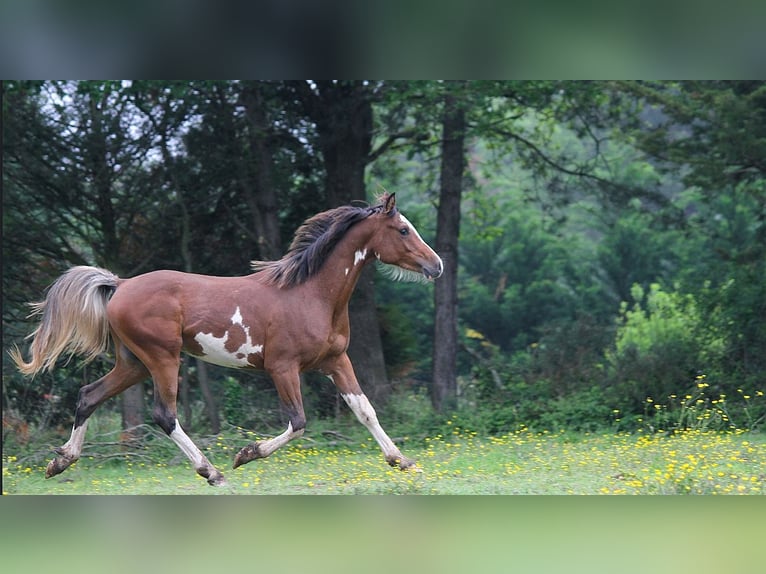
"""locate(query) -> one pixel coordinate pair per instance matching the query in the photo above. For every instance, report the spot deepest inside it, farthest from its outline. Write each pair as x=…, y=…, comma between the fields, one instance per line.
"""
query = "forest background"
x=604, y=241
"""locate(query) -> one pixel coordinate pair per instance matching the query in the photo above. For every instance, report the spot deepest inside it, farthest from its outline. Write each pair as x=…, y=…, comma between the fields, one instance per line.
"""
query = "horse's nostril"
x=433, y=272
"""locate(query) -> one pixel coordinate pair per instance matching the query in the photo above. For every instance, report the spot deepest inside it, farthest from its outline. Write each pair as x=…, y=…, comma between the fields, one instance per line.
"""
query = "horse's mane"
x=312, y=245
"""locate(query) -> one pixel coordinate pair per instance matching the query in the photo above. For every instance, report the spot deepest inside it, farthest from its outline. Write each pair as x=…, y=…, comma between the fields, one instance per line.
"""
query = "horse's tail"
x=73, y=319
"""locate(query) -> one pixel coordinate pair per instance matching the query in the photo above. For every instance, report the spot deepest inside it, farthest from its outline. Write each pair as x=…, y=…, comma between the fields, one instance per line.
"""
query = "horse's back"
x=155, y=306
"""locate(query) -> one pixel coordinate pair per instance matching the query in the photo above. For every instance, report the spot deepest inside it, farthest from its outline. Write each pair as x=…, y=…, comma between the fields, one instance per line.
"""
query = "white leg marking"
x=359, y=256
x=73, y=446
x=366, y=415
x=190, y=449
x=267, y=447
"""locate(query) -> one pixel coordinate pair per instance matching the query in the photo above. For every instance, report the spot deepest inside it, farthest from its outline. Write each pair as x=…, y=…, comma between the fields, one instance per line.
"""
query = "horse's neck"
x=337, y=279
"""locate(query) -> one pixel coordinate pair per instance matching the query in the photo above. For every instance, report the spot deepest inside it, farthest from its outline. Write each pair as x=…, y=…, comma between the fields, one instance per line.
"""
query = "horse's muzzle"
x=433, y=271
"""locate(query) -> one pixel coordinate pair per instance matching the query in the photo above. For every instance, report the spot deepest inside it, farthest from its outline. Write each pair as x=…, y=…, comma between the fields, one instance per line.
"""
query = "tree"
x=76, y=177
x=342, y=114
x=714, y=133
x=444, y=387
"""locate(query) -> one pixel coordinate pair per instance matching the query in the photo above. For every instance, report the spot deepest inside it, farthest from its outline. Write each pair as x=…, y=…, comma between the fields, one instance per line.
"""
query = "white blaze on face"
x=214, y=348
x=412, y=227
x=416, y=234
x=359, y=256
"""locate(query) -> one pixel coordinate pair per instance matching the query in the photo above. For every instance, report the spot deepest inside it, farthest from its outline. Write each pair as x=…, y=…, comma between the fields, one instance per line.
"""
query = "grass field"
x=689, y=462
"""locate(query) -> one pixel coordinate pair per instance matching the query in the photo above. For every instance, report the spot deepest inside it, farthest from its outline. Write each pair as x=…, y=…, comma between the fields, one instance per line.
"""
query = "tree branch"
x=389, y=143
x=541, y=155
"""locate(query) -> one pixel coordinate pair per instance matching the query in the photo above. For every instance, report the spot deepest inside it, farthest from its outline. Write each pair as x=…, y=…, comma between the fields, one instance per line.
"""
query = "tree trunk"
x=342, y=113
x=366, y=347
x=263, y=198
x=444, y=387
x=97, y=163
x=132, y=412
x=211, y=406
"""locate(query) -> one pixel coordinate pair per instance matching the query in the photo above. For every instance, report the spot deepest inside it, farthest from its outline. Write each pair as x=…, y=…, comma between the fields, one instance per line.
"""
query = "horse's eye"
x=404, y=231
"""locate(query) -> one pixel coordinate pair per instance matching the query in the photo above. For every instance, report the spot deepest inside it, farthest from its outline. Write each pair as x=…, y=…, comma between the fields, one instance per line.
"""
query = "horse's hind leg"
x=165, y=376
x=127, y=371
x=288, y=385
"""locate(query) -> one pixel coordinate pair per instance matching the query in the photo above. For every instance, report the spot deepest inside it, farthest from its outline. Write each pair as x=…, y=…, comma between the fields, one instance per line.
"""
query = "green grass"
x=688, y=462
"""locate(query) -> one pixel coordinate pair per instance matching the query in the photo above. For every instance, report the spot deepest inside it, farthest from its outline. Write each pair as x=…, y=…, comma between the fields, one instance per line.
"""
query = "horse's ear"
x=389, y=203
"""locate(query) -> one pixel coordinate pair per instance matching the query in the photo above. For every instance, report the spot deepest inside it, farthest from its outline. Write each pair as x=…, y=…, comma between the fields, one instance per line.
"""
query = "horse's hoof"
x=408, y=465
x=57, y=466
x=246, y=454
x=404, y=463
x=219, y=480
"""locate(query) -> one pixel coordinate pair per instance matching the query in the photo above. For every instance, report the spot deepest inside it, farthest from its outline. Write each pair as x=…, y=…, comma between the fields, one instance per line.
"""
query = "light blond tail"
x=73, y=319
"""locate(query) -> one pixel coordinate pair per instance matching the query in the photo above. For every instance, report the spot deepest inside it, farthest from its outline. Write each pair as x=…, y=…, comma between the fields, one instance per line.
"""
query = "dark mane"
x=312, y=245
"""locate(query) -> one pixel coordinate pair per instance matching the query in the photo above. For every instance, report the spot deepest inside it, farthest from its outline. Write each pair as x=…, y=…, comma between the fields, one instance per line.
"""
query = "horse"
x=287, y=317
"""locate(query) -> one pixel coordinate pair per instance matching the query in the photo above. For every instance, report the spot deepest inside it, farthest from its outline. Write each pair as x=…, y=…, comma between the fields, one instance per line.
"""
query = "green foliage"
x=658, y=346
x=516, y=273
x=729, y=253
x=233, y=403
x=586, y=409
x=400, y=347
x=612, y=248
x=700, y=409
x=633, y=252
x=408, y=415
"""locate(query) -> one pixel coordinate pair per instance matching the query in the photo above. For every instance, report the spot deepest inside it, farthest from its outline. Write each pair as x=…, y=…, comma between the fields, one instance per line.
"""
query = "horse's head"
x=397, y=242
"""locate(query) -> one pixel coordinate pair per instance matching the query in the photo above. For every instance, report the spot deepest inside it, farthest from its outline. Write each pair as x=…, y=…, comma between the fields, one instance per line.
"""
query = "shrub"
x=661, y=344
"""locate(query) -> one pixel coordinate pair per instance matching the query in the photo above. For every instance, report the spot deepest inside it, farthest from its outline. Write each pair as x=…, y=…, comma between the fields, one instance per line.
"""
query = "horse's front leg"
x=341, y=372
x=288, y=385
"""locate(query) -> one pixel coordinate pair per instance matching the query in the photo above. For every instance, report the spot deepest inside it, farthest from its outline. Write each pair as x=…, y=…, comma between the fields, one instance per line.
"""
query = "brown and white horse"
x=289, y=316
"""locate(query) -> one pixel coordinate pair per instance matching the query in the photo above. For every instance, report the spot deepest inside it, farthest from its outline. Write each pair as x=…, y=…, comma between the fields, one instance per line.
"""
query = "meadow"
x=456, y=462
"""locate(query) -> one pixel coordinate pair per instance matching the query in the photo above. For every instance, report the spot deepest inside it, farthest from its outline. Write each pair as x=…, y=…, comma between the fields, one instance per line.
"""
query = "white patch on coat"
x=347, y=271
x=214, y=348
x=359, y=256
